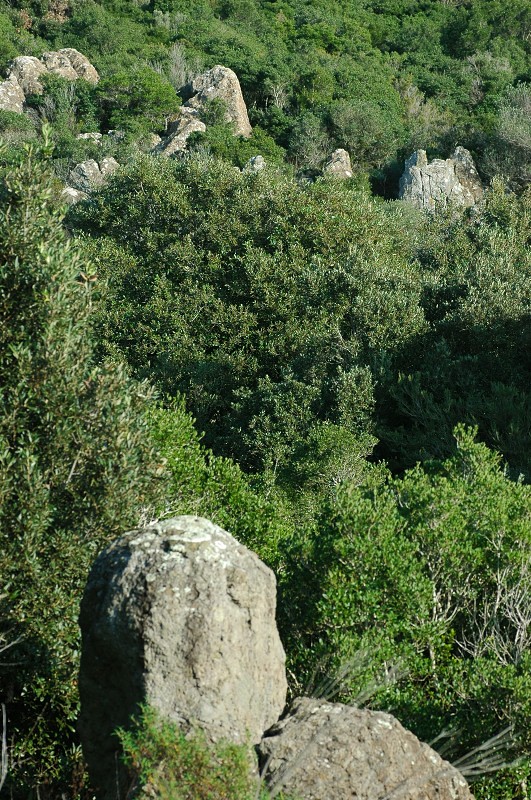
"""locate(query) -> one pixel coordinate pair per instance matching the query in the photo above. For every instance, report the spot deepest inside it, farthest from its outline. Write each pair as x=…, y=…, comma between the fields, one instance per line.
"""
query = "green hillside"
x=339, y=379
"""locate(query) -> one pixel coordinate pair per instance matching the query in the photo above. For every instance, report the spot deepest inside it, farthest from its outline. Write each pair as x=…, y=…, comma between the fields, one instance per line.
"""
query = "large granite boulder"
x=325, y=750
x=181, y=616
x=441, y=182
x=11, y=95
x=180, y=130
x=91, y=174
x=220, y=82
x=338, y=165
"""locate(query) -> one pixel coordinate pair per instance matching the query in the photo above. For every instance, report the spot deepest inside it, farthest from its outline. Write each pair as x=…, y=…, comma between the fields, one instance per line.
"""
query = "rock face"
x=220, y=82
x=323, y=750
x=338, y=165
x=180, y=131
x=11, y=96
x=181, y=616
x=71, y=64
x=80, y=64
x=27, y=70
x=454, y=180
x=90, y=174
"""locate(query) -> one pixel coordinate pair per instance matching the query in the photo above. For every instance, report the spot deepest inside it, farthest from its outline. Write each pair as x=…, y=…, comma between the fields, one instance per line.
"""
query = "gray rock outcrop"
x=220, y=82
x=80, y=64
x=338, y=165
x=28, y=70
x=182, y=616
x=90, y=174
x=72, y=196
x=11, y=96
x=323, y=750
x=441, y=182
x=25, y=72
x=255, y=164
x=180, y=131
x=93, y=136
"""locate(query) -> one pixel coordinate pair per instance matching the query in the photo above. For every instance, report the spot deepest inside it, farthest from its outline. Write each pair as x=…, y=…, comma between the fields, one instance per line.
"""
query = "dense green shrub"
x=429, y=572
x=77, y=467
x=165, y=763
x=265, y=318
x=137, y=99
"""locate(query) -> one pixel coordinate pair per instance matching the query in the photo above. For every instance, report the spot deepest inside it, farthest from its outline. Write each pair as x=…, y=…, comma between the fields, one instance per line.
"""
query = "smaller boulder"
x=92, y=136
x=90, y=175
x=255, y=164
x=28, y=71
x=71, y=196
x=11, y=96
x=338, y=165
x=220, y=82
x=176, y=120
x=182, y=130
x=323, y=750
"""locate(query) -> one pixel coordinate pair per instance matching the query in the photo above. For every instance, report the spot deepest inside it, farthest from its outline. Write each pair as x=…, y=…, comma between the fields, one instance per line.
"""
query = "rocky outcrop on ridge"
x=220, y=83
x=25, y=72
x=338, y=165
x=325, y=750
x=439, y=183
x=182, y=616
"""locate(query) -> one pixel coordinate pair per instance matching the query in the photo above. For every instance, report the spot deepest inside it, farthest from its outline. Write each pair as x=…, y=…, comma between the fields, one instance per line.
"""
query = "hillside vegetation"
x=339, y=379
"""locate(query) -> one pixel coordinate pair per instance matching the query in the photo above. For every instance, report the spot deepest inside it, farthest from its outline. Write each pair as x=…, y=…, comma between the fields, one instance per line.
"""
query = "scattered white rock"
x=338, y=165
x=439, y=183
x=11, y=96
x=255, y=164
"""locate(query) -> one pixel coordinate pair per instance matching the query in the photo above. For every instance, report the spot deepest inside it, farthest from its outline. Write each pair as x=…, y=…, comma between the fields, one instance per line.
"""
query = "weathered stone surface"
x=93, y=136
x=90, y=174
x=327, y=750
x=255, y=164
x=182, y=130
x=182, y=616
x=71, y=196
x=338, y=165
x=454, y=180
x=59, y=64
x=116, y=136
x=220, y=82
x=175, y=122
x=28, y=70
x=11, y=96
x=80, y=64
